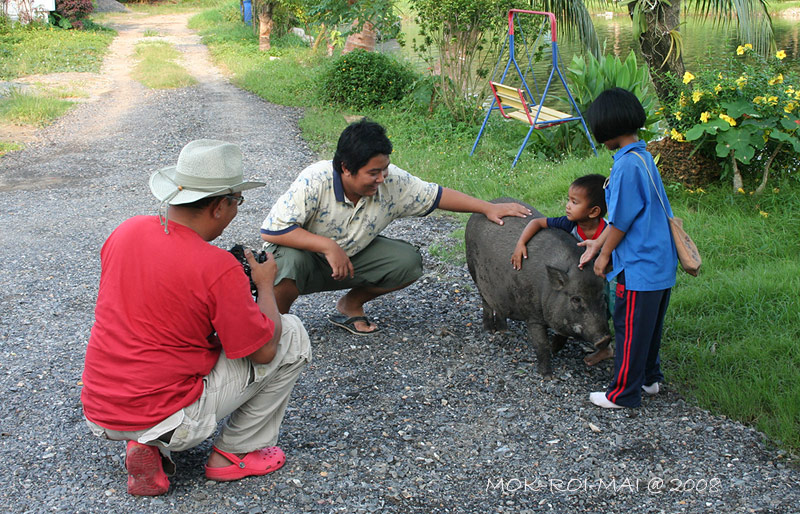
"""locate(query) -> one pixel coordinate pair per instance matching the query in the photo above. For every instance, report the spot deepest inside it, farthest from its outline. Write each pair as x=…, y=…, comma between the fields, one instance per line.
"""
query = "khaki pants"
x=252, y=396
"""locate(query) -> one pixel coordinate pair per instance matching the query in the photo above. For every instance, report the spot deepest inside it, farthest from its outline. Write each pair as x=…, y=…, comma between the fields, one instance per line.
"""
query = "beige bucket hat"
x=206, y=167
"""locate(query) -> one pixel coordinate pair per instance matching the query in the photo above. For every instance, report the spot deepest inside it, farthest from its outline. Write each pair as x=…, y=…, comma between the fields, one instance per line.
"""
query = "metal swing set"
x=514, y=102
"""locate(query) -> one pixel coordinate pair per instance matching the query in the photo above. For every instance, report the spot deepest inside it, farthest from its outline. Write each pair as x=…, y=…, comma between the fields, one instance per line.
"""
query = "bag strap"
x=646, y=167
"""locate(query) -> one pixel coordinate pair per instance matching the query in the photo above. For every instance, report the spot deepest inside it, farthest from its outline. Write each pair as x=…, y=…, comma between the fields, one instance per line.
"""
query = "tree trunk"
x=737, y=176
x=262, y=22
x=656, y=44
x=364, y=39
x=763, y=184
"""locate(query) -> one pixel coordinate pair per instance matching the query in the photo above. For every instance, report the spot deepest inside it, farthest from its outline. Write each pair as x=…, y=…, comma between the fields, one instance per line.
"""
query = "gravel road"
x=431, y=415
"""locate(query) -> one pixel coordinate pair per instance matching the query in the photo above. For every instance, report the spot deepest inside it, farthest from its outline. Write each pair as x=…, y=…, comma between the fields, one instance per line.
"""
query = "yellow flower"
x=765, y=214
x=719, y=76
x=731, y=121
x=789, y=90
x=683, y=101
x=772, y=100
x=748, y=46
x=740, y=190
x=678, y=115
x=717, y=88
x=677, y=136
x=789, y=107
x=741, y=81
x=758, y=100
x=740, y=50
x=696, y=96
x=797, y=95
x=778, y=79
x=781, y=55
x=705, y=116
x=688, y=77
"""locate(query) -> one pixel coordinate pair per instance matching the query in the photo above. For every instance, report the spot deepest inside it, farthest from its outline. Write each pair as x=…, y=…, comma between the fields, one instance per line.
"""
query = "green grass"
x=284, y=75
x=36, y=48
x=6, y=147
x=782, y=6
x=29, y=109
x=157, y=68
x=173, y=6
x=731, y=341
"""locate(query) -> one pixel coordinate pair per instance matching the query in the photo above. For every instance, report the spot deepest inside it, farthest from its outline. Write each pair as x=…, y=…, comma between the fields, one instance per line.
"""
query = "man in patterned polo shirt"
x=325, y=230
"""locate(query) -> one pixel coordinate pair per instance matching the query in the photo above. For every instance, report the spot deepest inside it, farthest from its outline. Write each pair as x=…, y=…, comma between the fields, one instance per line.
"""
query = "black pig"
x=548, y=292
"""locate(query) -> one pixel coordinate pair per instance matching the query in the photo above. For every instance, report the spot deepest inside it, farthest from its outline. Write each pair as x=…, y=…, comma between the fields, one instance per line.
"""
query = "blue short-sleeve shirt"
x=647, y=253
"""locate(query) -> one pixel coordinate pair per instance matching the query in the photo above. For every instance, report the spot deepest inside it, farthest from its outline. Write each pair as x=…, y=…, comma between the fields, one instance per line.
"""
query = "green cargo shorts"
x=385, y=263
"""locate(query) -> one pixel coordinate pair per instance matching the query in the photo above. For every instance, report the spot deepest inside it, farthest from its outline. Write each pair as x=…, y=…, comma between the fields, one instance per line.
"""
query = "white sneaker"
x=599, y=399
x=651, y=389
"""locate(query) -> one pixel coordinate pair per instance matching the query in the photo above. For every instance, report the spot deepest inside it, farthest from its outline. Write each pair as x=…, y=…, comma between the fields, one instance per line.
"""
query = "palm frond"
x=574, y=21
x=753, y=22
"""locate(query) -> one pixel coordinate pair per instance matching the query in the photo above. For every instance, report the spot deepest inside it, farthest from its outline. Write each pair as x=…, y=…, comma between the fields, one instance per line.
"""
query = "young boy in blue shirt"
x=639, y=244
x=586, y=206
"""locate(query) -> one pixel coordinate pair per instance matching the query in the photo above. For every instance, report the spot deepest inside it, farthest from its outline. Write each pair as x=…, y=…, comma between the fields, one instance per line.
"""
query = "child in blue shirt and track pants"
x=639, y=243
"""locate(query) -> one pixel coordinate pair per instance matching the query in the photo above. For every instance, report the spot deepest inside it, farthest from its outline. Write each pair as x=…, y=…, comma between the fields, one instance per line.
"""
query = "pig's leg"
x=488, y=316
x=537, y=334
x=492, y=321
x=558, y=342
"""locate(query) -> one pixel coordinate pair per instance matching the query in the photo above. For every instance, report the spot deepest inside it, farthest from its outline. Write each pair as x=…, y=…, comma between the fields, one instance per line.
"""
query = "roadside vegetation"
x=158, y=67
x=731, y=337
x=22, y=108
x=39, y=48
x=6, y=147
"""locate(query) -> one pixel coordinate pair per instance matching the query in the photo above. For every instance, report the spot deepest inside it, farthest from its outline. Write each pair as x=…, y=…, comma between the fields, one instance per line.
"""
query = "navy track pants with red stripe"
x=638, y=323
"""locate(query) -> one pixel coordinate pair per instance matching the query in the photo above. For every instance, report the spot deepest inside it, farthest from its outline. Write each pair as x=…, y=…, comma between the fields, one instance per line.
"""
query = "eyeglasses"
x=238, y=199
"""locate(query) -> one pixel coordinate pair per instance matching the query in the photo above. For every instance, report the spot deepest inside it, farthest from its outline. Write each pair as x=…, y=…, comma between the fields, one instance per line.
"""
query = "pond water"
x=704, y=42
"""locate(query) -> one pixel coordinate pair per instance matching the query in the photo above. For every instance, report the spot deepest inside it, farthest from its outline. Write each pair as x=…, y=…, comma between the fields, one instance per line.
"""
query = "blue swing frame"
x=536, y=123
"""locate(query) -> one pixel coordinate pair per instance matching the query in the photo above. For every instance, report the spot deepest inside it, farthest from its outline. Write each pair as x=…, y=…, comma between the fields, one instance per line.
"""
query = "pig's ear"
x=558, y=279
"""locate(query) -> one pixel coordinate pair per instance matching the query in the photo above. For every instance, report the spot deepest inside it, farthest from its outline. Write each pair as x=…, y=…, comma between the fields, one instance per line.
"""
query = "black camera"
x=238, y=252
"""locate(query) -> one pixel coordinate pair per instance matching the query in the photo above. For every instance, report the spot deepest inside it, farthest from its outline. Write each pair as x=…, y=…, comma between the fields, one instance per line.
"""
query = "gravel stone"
x=431, y=415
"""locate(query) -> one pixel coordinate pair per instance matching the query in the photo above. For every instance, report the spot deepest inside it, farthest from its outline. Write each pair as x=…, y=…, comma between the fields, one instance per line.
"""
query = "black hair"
x=360, y=142
x=593, y=185
x=615, y=112
x=204, y=202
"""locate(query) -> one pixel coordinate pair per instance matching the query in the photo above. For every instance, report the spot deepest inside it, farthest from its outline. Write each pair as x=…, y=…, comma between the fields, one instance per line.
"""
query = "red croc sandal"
x=256, y=463
x=146, y=475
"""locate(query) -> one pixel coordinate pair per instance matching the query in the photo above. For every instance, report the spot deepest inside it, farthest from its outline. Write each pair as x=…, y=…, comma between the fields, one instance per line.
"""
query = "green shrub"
x=588, y=77
x=71, y=14
x=365, y=79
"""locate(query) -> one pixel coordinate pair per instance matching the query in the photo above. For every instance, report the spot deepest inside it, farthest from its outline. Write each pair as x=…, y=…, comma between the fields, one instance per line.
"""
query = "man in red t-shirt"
x=179, y=344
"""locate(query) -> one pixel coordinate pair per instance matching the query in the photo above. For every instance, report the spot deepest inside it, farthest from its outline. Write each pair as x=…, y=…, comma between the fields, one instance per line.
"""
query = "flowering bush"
x=746, y=114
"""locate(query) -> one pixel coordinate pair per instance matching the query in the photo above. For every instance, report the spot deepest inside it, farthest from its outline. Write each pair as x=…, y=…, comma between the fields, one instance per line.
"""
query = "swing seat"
x=512, y=104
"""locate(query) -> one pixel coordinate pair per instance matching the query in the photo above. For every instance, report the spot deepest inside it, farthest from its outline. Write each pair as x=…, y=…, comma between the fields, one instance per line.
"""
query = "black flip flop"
x=349, y=324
